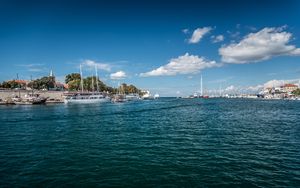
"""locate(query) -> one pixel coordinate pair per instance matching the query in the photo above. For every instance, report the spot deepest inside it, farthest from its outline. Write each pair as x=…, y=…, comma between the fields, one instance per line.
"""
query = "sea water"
x=164, y=142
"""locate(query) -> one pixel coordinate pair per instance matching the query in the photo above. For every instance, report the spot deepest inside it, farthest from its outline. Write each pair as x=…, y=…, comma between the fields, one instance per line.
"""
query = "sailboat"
x=87, y=97
x=201, y=95
x=29, y=98
x=120, y=96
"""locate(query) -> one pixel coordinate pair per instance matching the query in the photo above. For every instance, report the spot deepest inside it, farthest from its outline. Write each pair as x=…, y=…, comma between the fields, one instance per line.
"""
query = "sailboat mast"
x=81, y=79
x=93, y=89
x=19, y=85
x=201, y=89
x=97, y=78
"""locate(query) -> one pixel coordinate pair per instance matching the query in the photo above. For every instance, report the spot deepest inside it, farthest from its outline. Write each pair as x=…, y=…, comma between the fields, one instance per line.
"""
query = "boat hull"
x=85, y=101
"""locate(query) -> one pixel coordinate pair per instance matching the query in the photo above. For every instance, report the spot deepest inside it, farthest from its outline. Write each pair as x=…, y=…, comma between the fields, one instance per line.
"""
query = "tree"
x=74, y=85
x=72, y=76
x=12, y=84
x=296, y=92
x=124, y=88
x=45, y=82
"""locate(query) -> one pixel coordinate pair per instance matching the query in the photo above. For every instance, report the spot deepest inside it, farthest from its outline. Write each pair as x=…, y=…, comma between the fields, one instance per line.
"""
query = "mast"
x=93, y=83
x=32, y=84
x=201, y=89
x=19, y=85
x=97, y=79
x=81, y=79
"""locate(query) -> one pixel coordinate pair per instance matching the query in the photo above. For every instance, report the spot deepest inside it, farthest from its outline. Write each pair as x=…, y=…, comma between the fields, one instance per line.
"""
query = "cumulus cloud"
x=218, y=38
x=92, y=64
x=118, y=75
x=278, y=83
x=259, y=46
x=185, y=64
x=270, y=84
x=198, y=34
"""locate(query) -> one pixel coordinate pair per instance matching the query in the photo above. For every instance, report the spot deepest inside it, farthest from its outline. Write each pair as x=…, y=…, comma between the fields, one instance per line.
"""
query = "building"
x=288, y=88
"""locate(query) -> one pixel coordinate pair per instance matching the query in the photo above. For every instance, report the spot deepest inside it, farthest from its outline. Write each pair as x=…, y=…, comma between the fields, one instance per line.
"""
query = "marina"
x=150, y=93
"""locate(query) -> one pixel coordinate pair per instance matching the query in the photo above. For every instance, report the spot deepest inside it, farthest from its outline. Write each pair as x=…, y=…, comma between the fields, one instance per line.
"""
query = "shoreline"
x=53, y=96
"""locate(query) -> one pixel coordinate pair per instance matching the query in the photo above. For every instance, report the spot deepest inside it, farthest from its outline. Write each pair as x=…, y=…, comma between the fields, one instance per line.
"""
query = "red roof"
x=20, y=81
x=290, y=85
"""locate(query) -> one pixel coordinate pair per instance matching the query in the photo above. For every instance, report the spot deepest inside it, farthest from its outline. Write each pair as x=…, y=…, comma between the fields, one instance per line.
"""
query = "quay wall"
x=57, y=95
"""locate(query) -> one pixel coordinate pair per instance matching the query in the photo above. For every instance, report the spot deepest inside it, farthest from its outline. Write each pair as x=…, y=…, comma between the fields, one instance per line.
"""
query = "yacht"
x=87, y=97
x=133, y=97
x=147, y=96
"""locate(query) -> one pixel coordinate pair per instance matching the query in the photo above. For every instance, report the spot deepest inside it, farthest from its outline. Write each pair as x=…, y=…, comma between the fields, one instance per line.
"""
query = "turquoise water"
x=166, y=142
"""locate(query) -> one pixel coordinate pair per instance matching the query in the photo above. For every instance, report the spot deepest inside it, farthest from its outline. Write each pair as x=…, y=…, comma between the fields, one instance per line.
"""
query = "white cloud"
x=118, y=75
x=92, y=64
x=185, y=31
x=230, y=88
x=259, y=46
x=278, y=83
x=255, y=88
x=198, y=34
x=185, y=64
x=270, y=84
x=216, y=39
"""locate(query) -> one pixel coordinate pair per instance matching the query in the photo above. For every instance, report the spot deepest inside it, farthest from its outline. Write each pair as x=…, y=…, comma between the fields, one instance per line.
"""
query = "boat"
x=29, y=99
x=156, y=96
x=120, y=96
x=199, y=95
x=147, y=96
x=133, y=97
x=86, y=97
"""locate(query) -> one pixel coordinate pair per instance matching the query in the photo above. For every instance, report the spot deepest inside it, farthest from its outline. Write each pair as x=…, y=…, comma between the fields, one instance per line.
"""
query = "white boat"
x=29, y=99
x=133, y=97
x=118, y=98
x=156, y=96
x=86, y=97
x=147, y=96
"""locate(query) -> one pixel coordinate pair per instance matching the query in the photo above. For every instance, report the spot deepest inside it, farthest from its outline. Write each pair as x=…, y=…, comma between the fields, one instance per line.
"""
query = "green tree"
x=296, y=92
x=74, y=85
x=12, y=84
x=45, y=82
x=72, y=76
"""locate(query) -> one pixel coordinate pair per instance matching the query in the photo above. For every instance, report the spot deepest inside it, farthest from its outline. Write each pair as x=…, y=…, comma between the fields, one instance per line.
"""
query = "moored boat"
x=29, y=99
x=86, y=98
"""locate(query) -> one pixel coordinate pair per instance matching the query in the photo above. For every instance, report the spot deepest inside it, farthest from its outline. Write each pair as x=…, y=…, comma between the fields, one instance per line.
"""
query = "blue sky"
x=160, y=46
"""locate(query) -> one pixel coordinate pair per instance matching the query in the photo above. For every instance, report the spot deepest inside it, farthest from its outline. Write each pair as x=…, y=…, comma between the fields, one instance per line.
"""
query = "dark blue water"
x=166, y=142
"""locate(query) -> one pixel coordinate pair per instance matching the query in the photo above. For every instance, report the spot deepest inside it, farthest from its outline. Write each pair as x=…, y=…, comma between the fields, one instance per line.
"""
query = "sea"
x=167, y=142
